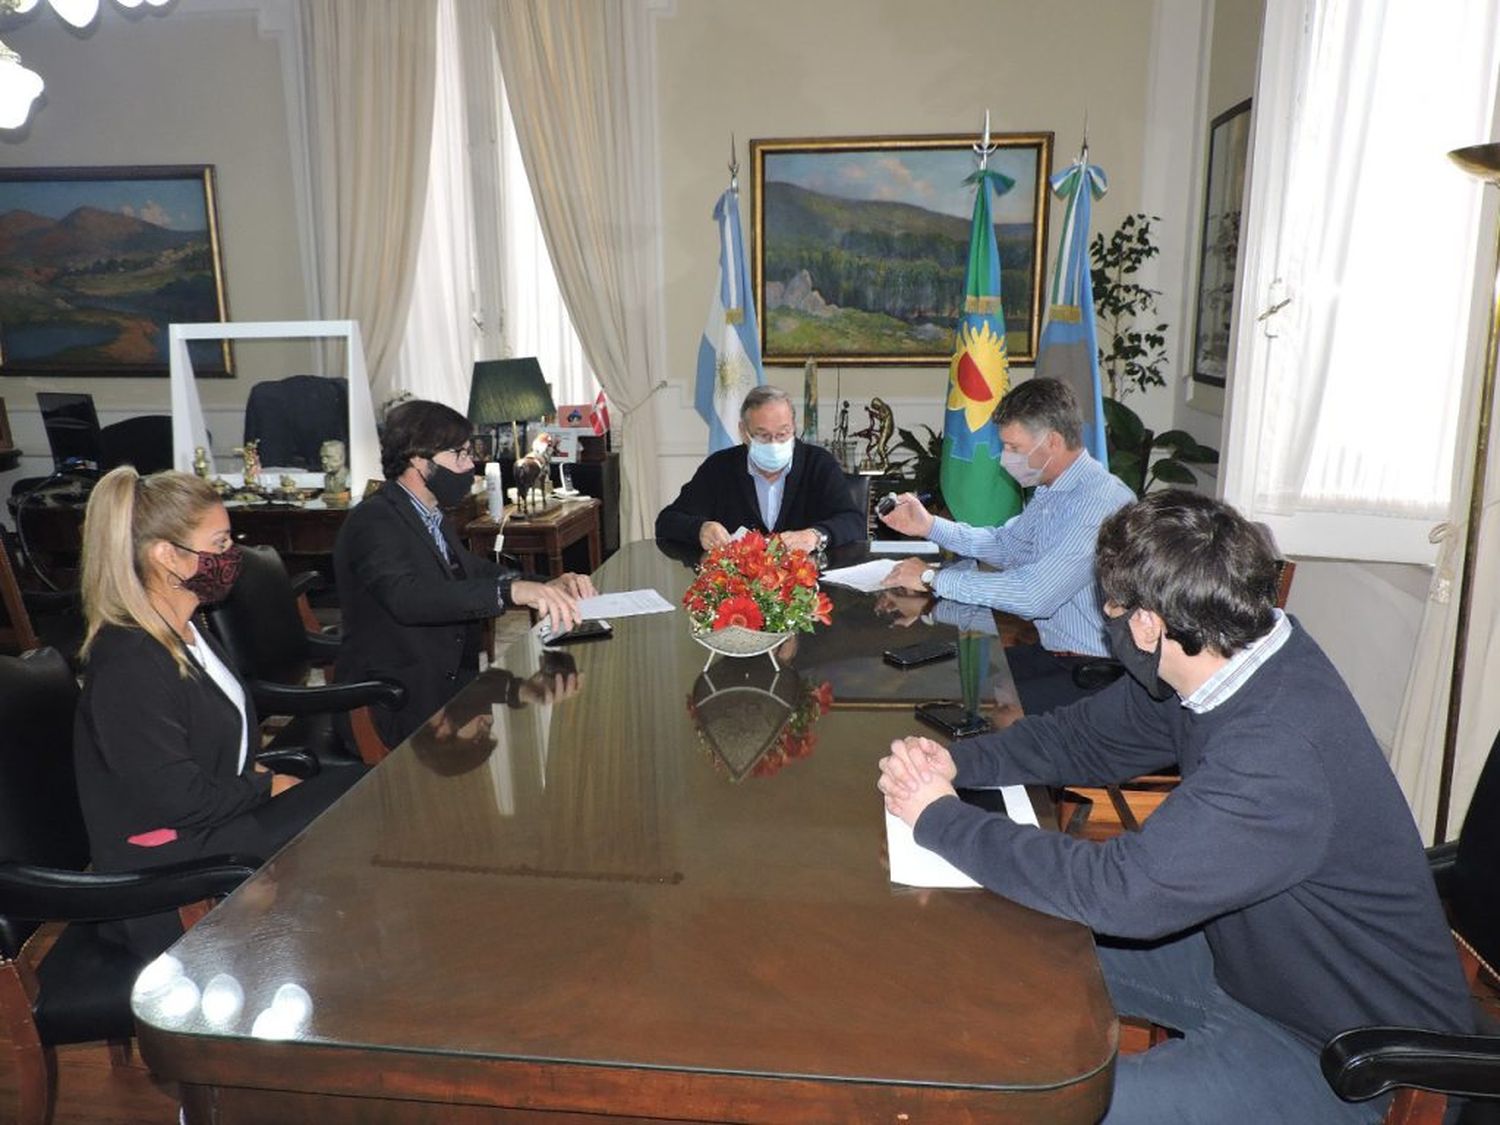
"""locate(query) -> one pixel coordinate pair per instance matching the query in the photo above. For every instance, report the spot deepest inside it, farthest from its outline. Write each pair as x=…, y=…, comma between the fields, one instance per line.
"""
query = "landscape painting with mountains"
x=94, y=268
x=861, y=252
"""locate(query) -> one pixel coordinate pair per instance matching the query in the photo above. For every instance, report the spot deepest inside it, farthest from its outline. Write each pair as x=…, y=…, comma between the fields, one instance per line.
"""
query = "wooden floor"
x=91, y=1092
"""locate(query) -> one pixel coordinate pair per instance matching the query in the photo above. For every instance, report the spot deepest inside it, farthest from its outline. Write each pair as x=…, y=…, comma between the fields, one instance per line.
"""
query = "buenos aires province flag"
x=729, y=353
x=976, y=489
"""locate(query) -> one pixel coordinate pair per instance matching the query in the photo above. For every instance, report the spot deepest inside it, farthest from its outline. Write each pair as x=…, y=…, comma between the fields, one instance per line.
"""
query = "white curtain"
x=436, y=355
x=369, y=83
x=1416, y=755
x=579, y=72
x=1345, y=399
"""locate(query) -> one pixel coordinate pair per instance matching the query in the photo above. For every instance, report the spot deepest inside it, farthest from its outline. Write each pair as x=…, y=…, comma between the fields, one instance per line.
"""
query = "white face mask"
x=771, y=456
x=1018, y=465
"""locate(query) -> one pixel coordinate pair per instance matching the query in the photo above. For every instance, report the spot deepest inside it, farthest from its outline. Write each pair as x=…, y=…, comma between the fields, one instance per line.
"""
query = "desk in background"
x=541, y=539
x=594, y=917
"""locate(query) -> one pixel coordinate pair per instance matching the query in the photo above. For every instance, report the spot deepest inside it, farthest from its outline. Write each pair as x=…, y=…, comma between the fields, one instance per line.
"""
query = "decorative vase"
x=736, y=640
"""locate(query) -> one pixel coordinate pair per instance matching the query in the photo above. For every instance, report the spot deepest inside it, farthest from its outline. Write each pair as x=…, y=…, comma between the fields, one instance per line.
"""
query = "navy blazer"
x=406, y=615
x=816, y=496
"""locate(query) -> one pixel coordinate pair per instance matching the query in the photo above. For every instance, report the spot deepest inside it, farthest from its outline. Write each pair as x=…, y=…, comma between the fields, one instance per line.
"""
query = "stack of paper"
x=865, y=577
x=912, y=865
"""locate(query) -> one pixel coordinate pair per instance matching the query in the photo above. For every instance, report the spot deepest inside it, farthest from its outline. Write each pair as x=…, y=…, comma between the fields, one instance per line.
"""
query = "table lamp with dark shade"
x=509, y=391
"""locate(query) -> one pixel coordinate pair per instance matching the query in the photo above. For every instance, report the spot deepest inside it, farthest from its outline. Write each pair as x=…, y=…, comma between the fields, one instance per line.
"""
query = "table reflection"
x=754, y=718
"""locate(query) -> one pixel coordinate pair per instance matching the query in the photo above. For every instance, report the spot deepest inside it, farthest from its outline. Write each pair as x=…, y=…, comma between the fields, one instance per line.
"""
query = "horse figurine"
x=535, y=467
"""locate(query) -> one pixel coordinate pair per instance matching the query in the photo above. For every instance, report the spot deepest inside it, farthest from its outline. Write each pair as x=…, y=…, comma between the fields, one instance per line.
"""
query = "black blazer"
x=154, y=749
x=816, y=496
x=405, y=614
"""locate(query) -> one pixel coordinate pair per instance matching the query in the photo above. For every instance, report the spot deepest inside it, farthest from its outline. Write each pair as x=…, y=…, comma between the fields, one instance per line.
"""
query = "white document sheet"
x=866, y=576
x=914, y=866
x=904, y=547
x=627, y=603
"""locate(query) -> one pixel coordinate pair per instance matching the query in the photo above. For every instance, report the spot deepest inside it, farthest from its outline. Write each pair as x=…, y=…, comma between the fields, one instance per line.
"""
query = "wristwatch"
x=822, y=538
x=928, y=575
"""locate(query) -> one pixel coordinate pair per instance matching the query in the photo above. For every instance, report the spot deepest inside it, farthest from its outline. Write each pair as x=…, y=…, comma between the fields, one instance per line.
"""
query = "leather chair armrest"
x=289, y=760
x=285, y=699
x=49, y=894
x=323, y=648
x=1368, y=1061
x=306, y=582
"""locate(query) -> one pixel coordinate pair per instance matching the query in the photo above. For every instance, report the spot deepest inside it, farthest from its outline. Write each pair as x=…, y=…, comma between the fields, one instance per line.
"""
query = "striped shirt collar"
x=432, y=517
x=1223, y=684
x=1071, y=477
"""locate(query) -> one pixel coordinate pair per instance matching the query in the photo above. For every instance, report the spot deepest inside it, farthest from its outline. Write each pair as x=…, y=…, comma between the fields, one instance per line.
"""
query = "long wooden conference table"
x=664, y=898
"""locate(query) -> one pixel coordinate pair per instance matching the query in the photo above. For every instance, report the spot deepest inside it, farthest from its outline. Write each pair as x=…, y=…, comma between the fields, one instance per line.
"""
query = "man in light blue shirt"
x=1045, y=555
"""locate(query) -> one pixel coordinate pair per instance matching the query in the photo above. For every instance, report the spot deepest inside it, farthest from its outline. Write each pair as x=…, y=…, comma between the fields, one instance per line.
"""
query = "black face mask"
x=1144, y=667
x=449, y=487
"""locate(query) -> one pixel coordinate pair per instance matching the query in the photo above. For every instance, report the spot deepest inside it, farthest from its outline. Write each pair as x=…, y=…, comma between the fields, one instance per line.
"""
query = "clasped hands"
x=714, y=534
x=917, y=772
x=556, y=601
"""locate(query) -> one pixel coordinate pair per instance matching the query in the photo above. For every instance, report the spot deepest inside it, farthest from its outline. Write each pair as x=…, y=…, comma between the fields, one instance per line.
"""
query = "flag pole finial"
x=734, y=166
x=984, y=148
x=1083, y=151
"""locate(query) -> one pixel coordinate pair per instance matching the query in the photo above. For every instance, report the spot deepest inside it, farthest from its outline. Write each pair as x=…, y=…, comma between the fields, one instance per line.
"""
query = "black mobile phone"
x=924, y=652
x=584, y=631
x=953, y=719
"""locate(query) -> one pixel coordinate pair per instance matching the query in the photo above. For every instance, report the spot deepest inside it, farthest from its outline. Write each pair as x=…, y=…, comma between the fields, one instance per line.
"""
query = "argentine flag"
x=729, y=354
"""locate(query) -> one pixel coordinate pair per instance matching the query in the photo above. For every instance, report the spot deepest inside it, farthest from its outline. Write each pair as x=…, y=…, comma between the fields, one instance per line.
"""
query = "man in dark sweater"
x=772, y=483
x=1278, y=896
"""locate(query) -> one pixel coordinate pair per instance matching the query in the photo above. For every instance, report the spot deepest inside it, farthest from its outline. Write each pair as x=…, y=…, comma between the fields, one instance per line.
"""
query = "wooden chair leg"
x=371, y=749
x=1416, y=1107
x=35, y=1065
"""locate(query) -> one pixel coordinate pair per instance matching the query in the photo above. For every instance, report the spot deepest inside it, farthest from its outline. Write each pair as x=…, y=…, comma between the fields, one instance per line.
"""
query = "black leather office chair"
x=263, y=633
x=292, y=417
x=859, y=493
x=80, y=990
x=144, y=441
x=1365, y=1062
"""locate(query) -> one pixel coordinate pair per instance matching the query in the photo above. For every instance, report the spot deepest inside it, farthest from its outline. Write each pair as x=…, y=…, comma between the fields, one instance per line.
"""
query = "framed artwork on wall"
x=95, y=263
x=861, y=244
x=1219, y=250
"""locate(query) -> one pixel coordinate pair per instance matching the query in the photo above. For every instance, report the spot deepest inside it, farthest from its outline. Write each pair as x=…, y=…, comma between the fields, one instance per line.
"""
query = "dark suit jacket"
x=154, y=749
x=405, y=614
x=815, y=496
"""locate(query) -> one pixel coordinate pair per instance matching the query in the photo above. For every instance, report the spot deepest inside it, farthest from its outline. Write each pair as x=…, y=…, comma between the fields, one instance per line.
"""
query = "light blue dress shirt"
x=768, y=494
x=1045, y=556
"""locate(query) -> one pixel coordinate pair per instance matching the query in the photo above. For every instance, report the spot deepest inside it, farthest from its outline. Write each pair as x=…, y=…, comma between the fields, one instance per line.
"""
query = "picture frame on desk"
x=98, y=261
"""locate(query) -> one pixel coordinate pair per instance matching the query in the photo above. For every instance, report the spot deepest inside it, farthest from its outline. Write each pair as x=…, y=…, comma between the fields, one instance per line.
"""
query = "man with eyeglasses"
x=773, y=483
x=413, y=600
x=1044, y=557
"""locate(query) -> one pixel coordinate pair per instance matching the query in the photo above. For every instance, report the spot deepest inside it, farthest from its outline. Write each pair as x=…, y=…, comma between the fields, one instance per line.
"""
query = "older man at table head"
x=1280, y=893
x=413, y=599
x=771, y=483
x=1045, y=555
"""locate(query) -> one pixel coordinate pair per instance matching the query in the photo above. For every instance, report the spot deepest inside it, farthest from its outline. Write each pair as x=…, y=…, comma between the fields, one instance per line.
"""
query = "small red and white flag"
x=601, y=414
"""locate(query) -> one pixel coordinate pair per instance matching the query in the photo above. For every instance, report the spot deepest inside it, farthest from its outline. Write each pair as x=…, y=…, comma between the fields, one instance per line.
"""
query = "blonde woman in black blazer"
x=165, y=736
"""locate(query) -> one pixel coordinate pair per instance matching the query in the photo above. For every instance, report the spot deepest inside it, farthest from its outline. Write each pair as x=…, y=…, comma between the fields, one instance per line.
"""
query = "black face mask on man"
x=447, y=486
x=1144, y=667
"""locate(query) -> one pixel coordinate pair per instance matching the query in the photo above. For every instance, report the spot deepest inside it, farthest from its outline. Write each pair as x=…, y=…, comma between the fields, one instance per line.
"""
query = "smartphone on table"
x=953, y=719
x=923, y=652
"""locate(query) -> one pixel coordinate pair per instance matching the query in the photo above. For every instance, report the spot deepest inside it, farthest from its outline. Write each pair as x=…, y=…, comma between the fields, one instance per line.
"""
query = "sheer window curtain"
x=458, y=314
x=1344, y=401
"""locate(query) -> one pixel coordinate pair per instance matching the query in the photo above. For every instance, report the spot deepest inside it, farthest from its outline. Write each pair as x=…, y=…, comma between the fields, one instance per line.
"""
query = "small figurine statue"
x=200, y=462
x=534, y=469
x=250, y=452
x=841, y=427
x=877, y=435
x=335, y=474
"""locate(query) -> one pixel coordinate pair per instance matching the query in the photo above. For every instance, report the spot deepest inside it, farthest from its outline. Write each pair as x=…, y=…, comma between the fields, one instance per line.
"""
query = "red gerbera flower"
x=740, y=611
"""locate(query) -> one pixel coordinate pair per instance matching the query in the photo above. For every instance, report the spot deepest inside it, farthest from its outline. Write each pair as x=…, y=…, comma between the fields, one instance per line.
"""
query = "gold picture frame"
x=861, y=243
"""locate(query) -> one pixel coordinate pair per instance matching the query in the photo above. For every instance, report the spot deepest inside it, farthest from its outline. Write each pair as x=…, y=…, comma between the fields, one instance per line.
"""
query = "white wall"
x=197, y=84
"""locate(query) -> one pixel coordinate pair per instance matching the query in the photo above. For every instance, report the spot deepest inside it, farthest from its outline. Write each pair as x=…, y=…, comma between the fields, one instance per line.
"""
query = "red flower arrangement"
x=759, y=584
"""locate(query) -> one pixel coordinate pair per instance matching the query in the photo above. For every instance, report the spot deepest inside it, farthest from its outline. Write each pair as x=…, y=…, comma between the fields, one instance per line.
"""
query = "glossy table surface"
x=671, y=877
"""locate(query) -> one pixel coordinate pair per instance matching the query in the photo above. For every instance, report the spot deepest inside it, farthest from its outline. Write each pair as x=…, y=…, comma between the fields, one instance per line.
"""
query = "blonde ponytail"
x=126, y=514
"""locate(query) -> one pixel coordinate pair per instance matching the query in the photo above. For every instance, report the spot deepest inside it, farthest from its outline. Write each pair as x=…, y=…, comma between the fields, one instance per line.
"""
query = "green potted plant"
x=1132, y=356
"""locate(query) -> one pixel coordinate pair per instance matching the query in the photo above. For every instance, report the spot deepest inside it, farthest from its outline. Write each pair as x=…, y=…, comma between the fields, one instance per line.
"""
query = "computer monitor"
x=72, y=428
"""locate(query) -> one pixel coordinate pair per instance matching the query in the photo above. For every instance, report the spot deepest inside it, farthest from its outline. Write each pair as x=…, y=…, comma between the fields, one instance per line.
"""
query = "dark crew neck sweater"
x=1288, y=841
